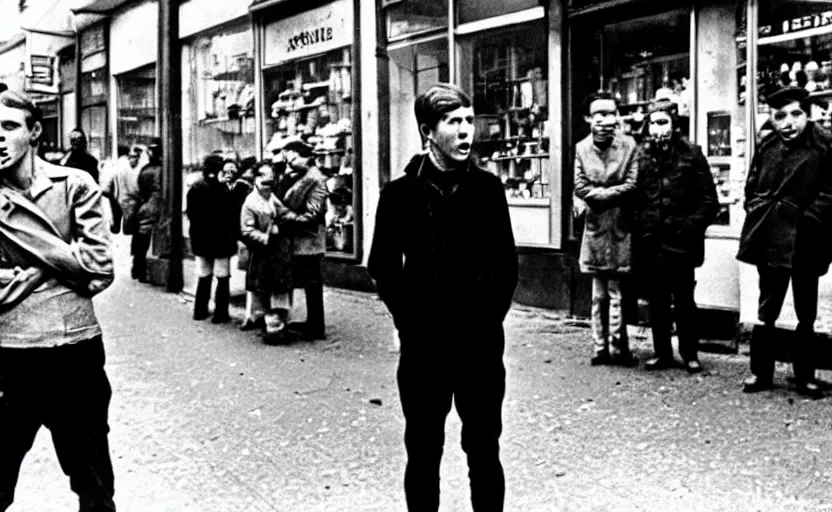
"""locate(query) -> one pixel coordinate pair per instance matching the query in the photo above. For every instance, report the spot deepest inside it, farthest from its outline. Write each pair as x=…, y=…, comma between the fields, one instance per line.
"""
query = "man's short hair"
x=19, y=101
x=437, y=101
x=599, y=95
x=212, y=164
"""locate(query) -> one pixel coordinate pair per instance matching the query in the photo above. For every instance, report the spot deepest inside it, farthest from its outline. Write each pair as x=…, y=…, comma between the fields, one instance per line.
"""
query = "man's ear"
x=37, y=131
x=588, y=119
x=425, y=131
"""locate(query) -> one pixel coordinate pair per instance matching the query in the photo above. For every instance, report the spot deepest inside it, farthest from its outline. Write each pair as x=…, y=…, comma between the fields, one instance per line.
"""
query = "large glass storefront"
x=501, y=52
x=136, y=115
x=94, y=83
x=218, y=95
x=308, y=91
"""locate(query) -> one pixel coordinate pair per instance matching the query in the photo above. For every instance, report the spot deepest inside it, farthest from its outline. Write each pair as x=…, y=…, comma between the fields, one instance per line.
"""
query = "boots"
x=315, y=329
x=221, y=301
x=203, y=293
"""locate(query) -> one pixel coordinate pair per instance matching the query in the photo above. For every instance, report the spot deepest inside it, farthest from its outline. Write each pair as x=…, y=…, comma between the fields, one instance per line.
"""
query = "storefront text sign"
x=317, y=31
x=799, y=24
x=42, y=70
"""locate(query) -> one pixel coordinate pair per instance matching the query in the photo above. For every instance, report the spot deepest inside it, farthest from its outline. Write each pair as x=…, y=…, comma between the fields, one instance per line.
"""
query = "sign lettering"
x=822, y=19
x=306, y=38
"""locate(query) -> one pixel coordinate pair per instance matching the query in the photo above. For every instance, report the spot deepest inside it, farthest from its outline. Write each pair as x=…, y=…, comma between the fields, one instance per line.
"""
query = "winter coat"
x=606, y=182
x=239, y=192
x=788, y=203
x=150, y=198
x=306, y=200
x=444, y=258
x=122, y=188
x=213, y=219
x=270, y=263
x=81, y=160
x=60, y=229
x=675, y=203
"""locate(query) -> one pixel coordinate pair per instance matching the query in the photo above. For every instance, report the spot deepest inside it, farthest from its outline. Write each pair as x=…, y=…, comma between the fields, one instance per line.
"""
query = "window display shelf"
x=538, y=202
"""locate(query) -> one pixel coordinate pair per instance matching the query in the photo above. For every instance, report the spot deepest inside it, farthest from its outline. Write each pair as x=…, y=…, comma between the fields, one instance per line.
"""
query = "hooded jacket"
x=441, y=258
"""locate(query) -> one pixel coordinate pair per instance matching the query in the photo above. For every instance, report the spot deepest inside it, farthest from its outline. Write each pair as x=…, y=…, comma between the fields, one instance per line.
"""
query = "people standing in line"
x=675, y=203
x=269, y=273
x=448, y=303
x=305, y=197
x=78, y=157
x=148, y=209
x=53, y=241
x=788, y=204
x=605, y=180
x=122, y=188
x=213, y=231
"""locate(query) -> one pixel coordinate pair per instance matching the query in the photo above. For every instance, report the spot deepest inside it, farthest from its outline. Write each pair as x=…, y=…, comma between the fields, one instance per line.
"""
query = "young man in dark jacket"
x=78, y=157
x=788, y=203
x=445, y=264
x=676, y=201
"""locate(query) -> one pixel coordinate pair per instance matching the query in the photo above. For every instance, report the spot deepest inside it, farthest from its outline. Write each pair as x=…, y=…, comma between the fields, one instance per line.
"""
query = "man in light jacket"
x=54, y=239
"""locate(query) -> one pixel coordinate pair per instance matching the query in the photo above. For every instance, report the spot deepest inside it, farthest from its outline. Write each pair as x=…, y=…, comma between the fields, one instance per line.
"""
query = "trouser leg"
x=617, y=327
x=425, y=405
x=478, y=395
x=600, y=313
x=805, y=292
x=314, y=288
x=683, y=283
x=658, y=306
x=773, y=285
x=139, y=246
x=221, y=299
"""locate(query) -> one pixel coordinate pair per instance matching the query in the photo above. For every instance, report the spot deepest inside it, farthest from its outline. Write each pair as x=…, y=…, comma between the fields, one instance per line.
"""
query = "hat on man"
x=294, y=142
x=786, y=95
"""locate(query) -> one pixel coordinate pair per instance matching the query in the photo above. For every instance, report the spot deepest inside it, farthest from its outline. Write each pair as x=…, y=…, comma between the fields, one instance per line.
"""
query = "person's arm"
x=17, y=284
x=91, y=237
x=386, y=259
x=819, y=210
x=248, y=227
x=751, y=181
x=315, y=202
x=506, y=275
x=708, y=205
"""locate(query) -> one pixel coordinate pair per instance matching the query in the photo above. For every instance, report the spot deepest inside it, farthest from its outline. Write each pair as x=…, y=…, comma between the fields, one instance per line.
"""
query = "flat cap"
x=292, y=142
x=786, y=95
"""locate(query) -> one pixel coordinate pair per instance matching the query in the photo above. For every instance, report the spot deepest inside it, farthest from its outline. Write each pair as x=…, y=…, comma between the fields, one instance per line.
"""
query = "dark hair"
x=19, y=101
x=599, y=95
x=211, y=164
x=122, y=150
x=437, y=101
x=255, y=168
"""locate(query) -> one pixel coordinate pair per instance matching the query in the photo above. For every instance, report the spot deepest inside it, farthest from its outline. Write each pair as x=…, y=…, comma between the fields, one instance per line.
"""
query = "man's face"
x=661, y=125
x=77, y=141
x=15, y=136
x=453, y=134
x=789, y=120
x=602, y=119
x=133, y=158
x=292, y=157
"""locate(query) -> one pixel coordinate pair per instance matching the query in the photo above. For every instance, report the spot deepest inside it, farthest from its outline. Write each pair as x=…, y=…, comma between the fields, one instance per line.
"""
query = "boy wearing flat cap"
x=788, y=204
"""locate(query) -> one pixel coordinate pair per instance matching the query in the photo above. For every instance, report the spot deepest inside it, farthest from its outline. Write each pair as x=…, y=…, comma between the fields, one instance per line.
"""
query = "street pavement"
x=206, y=418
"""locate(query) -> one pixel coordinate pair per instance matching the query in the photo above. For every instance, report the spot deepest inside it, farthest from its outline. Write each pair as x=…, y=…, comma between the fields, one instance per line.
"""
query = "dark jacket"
x=788, y=203
x=214, y=220
x=675, y=203
x=150, y=198
x=306, y=200
x=444, y=258
x=82, y=160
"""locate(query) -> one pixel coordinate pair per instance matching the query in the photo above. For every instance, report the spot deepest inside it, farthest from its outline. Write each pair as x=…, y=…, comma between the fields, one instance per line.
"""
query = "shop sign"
x=798, y=24
x=42, y=70
x=317, y=31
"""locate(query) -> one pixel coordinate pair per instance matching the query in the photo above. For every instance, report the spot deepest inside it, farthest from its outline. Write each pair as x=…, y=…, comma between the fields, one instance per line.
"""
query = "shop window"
x=218, y=96
x=94, y=124
x=507, y=74
x=413, y=69
x=475, y=10
x=94, y=89
x=407, y=17
x=136, y=117
x=313, y=98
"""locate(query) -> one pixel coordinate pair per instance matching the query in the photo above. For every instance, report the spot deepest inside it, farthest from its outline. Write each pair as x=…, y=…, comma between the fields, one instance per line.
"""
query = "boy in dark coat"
x=676, y=201
x=445, y=264
x=788, y=203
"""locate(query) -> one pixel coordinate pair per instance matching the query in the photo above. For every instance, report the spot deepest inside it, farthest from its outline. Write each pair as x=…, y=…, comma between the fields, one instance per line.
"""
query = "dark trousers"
x=138, y=248
x=673, y=285
x=430, y=378
x=306, y=272
x=774, y=282
x=66, y=390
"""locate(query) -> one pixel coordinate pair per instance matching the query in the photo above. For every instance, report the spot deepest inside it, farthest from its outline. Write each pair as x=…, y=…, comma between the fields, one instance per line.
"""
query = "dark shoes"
x=302, y=330
x=810, y=390
x=601, y=359
x=661, y=363
x=755, y=384
x=626, y=359
x=693, y=366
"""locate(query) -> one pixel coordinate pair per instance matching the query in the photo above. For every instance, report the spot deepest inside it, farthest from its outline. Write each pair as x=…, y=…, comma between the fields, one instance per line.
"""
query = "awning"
x=259, y=5
x=96, y=6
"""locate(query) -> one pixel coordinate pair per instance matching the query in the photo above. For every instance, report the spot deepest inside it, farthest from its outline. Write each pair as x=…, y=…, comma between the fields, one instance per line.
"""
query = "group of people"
x=648, y=204
x=272, y=215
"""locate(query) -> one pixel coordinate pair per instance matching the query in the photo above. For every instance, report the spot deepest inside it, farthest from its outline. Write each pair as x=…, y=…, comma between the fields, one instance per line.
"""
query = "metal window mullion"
x=452, y=47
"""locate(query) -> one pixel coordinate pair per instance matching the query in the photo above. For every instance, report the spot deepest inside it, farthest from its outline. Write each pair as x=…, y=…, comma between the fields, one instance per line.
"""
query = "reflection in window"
x=313, y=98
x=507, y=73
x=94, y=124
x=406, y=17
x=413, y=70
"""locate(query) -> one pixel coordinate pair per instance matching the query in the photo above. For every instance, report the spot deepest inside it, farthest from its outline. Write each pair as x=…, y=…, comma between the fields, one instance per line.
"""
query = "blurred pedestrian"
x=605, y=180
x=122, y=188
x=788, y=204
x=148, y=209
x=447, y=299
x=78, y=156
x=676, y=201
x=213, y=231
x=269, y=273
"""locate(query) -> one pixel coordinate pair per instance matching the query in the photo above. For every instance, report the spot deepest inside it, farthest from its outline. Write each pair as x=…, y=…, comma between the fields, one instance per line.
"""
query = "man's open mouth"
x=464, y=147
x=3, y=153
